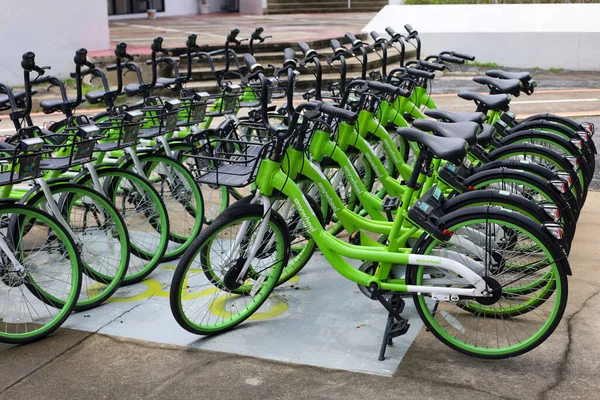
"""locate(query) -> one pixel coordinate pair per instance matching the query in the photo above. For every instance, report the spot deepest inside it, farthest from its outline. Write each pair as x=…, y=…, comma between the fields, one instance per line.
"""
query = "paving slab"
x=108, y=366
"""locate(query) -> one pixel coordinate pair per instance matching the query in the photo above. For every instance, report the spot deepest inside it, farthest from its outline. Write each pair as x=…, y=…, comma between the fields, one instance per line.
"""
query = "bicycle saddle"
x=524, y=77
x=453, y=116
x=496, y=102
x=133, y=89
x=460, y=130
x=486, y=135
x=95, y=96
x=18, y=96
x=445, y=148
x=497, y=85
x=51, y=105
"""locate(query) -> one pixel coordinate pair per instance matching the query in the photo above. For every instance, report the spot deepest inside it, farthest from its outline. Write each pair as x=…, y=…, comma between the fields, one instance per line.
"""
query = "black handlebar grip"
x=157, y=44
x=409, y=29
x=80, y=57
x=191, y=42
x=390, y=31
x=419, y=73
x=375, y=36
x=384, y=88
x=351, y=38
x=433, y=66
x=336, y=112
x=43, y=79
x=452, y=59
x=465, y=56
x=121, y=50
x=28, y=62
x=289, y=54
x=304, y=47
x=335, y=45
x=250, y=61
x=233, y=35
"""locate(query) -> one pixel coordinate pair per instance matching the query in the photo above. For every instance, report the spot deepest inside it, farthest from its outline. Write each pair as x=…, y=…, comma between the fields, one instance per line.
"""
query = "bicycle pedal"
x=391, y=203
x=354, y=238
x=398, y=328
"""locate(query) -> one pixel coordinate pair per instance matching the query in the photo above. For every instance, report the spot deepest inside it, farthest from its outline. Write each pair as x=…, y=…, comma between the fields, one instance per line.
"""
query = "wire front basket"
x=120, y=131
x=23, y=163
x=227, y=162
x=160, y=119
x=192, y=112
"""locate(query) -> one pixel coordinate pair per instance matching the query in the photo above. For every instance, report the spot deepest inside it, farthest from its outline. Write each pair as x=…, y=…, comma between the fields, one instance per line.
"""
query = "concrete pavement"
x=82, y=365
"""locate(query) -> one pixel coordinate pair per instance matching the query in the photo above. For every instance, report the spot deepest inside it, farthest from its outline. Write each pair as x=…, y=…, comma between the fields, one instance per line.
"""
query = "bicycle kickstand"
x=395, y=325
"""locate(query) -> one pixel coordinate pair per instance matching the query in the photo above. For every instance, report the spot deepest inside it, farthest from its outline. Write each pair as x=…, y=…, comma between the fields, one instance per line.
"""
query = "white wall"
x=512, y=35
x=175, y=7
x=172, y=7
x=53, y=30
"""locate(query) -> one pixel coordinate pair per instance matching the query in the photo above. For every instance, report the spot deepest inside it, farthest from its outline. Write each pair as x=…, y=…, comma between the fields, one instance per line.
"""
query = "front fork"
x=262, y=230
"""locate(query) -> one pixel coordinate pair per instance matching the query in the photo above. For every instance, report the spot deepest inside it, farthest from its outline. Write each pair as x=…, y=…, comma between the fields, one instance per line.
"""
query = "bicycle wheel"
x=181, y=195
x=513, y=321
x=303, y=246
x=101, y=236
x=205, y=296
x=36, y=300
x=529, y=186
x=541, y=156
x=144, y=214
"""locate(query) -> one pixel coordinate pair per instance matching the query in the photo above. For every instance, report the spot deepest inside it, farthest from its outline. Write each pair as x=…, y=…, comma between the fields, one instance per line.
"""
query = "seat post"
x=423, y=157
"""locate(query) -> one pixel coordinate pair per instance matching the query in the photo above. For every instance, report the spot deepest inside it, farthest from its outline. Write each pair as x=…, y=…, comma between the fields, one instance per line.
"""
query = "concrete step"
x=312, y=6
x=353, y=65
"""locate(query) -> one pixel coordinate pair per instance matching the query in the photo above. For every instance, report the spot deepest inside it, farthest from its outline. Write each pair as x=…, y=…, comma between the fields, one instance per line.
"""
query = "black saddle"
x=451, y=149
x=459, y=130
x=19, y=96
x=497, y=85
x=496, y=102
x=95, y=96
x=452, y=116
x=166, y=81
x=133, y=89
x=524, y=77
x=52, y=105
x=486, y=135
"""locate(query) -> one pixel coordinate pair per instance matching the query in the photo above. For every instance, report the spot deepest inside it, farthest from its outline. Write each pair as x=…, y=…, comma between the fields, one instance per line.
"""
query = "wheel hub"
x=494, y=288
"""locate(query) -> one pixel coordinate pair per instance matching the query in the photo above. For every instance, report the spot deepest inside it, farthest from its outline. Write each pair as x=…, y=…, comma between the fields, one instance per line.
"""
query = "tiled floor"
x=212, y=29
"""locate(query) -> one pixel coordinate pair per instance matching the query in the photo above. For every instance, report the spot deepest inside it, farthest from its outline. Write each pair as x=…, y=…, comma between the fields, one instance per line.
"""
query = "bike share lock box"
x=509, y=118
x=27, y=165
x=501, y=127
x=131, y=125
x=87, y=135
x=426, y=211
x=171, y=115
x=230, y=98
x=455, y=176
x=195, y=104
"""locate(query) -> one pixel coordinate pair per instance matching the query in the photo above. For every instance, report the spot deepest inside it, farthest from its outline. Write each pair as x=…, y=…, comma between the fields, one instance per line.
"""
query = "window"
x=120, y=7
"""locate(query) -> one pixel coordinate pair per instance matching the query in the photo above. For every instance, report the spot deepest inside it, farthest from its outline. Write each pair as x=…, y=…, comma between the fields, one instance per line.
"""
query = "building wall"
x=53, y=30
x=511, y=35
x=177, y=7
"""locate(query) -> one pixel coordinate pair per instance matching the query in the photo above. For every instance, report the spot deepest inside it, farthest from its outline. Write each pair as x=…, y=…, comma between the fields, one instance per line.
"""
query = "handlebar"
x=411, y=31
x=353, y=40
x=464, y=56
x=290, y=56
x=337, y=47
x=331, y=110
x=252, y=64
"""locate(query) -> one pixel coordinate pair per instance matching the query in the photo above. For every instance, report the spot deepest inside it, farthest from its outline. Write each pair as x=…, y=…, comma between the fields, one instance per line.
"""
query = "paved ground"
x=86, y=365
x=90, y=364
x=213, y=29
